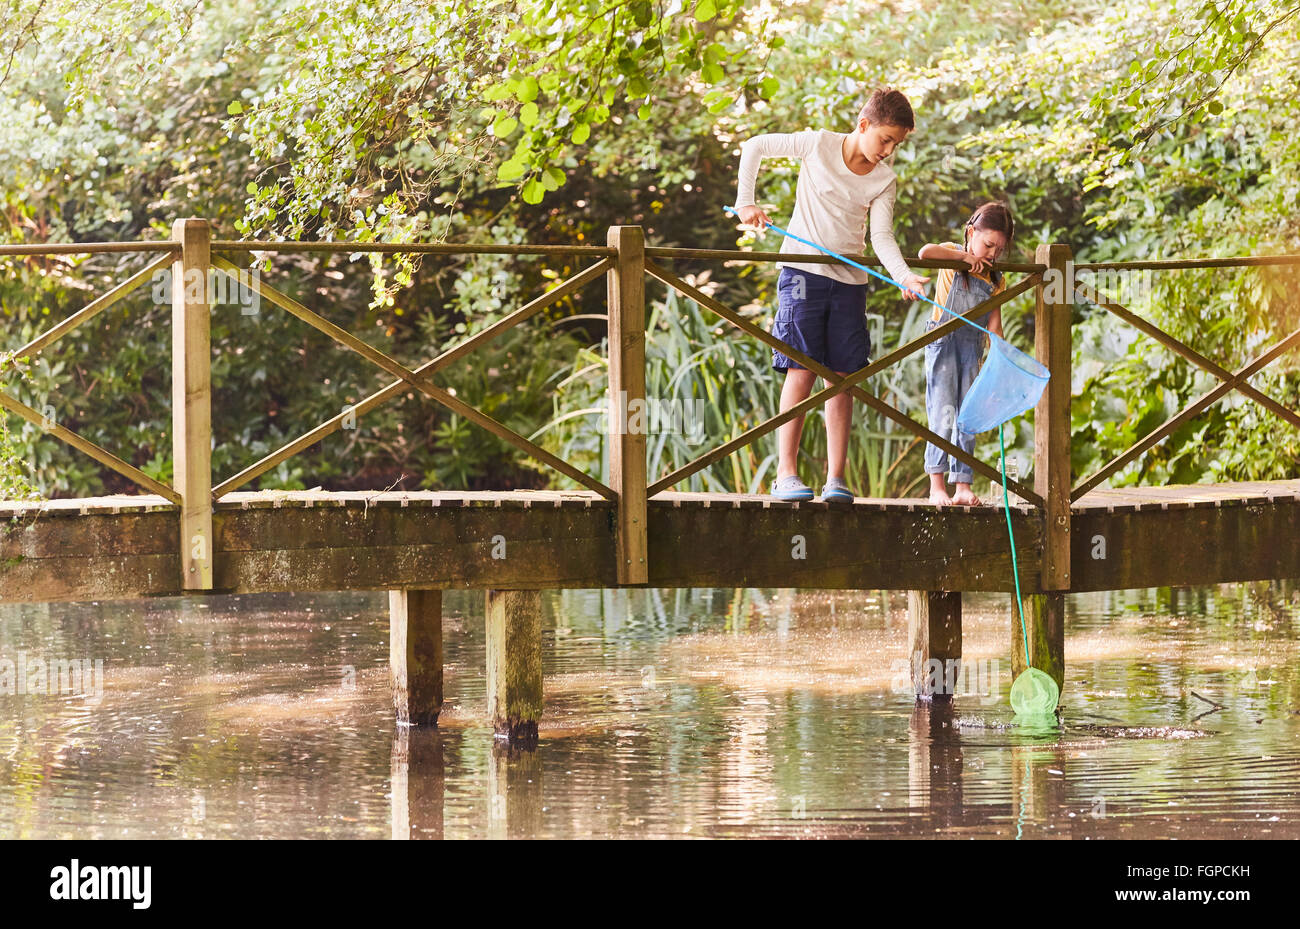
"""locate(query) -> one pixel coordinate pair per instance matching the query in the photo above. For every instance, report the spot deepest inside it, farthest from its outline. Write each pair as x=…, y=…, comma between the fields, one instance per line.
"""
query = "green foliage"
x=14, y=482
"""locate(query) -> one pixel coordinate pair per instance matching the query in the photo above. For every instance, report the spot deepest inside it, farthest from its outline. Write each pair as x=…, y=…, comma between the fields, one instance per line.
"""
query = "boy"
x=843, y=181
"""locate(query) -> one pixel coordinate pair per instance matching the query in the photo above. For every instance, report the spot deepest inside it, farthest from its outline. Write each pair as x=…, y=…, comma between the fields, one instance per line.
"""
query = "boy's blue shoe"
x=791, y=488
x=836, y=491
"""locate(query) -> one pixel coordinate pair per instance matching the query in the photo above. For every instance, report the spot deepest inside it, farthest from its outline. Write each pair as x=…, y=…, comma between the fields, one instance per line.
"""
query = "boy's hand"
x=978, y=265
x=754, y=216
x=915, y=287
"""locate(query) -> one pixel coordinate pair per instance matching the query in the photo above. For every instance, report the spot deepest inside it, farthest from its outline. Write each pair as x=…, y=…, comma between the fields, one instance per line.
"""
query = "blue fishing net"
x=1009, y=383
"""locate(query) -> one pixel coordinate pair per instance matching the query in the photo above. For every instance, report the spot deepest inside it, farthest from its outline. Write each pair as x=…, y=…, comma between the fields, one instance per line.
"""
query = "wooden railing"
x=81, y=317
x=625, y=262
x=1231, y=380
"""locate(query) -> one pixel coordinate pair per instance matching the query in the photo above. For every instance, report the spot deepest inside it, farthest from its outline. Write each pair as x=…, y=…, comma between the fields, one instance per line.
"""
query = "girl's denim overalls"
x=951, y=364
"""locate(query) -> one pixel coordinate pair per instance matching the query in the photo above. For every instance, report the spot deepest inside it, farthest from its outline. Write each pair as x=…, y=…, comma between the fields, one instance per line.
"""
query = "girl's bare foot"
x=965, y=497
x=939, y=491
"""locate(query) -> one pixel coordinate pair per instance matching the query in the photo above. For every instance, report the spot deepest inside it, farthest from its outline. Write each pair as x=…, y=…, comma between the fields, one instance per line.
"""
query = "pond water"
x=668, y=714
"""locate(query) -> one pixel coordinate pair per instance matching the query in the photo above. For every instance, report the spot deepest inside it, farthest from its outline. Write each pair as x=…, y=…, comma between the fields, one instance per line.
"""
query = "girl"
x=952, y=362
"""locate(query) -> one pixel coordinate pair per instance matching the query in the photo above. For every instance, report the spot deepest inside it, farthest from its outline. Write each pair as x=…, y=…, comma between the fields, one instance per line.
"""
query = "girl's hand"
x=753, y=216
x=915, y=287
x=978, y=265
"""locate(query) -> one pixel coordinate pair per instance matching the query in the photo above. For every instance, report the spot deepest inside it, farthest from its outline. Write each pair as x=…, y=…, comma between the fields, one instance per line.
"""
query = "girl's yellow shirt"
x=947, y=276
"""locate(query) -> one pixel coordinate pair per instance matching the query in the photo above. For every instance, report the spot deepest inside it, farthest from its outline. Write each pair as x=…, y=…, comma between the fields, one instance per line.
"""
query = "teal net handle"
x=861, y=267
x=1015, y=569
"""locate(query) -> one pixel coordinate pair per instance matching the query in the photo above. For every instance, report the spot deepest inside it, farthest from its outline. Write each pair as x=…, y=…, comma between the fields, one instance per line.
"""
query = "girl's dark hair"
x=995, y=216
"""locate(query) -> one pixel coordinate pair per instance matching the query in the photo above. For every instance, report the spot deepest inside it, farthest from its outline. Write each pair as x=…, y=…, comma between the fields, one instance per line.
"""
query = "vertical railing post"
x=627, y=402
x=1052, y=338
x=192, y=400
x=1044, y=613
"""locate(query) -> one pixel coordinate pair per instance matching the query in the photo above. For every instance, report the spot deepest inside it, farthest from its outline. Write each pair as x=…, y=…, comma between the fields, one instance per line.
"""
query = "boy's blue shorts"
x=822, y=317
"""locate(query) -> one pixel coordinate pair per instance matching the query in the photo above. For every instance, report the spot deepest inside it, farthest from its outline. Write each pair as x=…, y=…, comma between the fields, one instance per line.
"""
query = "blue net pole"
x=1011, y=535
x=873, y=273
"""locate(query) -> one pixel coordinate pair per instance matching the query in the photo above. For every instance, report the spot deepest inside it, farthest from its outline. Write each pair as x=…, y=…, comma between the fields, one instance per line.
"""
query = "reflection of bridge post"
x=514, y=792
x=934, y=762
x=417, y=783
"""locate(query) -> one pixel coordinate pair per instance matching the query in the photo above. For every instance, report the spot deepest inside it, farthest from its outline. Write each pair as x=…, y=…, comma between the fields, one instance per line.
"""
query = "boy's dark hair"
x=995, y=216
x=888, y=107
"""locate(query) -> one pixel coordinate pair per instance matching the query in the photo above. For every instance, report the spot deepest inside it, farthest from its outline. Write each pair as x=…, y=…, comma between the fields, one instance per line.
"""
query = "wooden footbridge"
x=198, y=536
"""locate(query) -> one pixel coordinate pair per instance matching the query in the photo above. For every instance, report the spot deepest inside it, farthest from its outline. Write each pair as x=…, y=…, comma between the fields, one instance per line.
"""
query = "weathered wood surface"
x=1052, y=347
x=627, y=445
x=1044, y=631
x=756, y=542
x=514, y=663
x=99, y=556
x=192, y=401
x=1186, y=495
x=934, y=630
x=128, y=545
x=415, y=655
x=1152, y=546
x=1101, y=498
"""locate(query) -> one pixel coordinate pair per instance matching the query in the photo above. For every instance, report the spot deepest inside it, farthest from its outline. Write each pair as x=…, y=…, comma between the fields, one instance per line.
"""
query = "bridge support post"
x=415, y=655
x=1045, y=613
x=1053, y=307
x=192, y=400
x=934, y=630
x=1045, y=623
x=627, y=403
x=514, y=663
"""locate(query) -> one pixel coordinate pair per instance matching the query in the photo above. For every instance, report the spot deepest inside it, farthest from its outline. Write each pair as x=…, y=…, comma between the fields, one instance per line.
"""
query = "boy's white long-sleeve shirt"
x=832, y=204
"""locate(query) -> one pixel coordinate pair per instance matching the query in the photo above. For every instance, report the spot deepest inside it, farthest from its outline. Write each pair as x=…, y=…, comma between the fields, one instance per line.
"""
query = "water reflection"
x=418, y=784
x=668, y=713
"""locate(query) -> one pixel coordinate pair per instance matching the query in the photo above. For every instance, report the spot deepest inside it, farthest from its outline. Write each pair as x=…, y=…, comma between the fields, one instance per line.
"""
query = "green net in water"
x=1034, y=693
